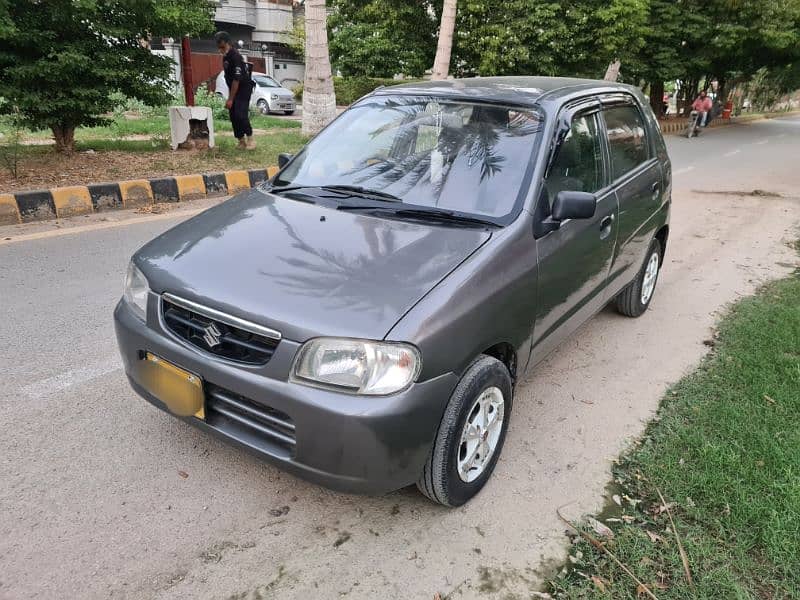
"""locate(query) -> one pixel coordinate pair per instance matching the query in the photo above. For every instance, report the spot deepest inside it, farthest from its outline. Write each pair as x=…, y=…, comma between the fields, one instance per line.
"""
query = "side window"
x=627, y=142
x=578, y=166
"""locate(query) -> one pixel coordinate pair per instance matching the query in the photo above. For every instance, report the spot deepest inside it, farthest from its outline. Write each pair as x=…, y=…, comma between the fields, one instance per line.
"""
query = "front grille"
x=219, y=337
x=237, y=415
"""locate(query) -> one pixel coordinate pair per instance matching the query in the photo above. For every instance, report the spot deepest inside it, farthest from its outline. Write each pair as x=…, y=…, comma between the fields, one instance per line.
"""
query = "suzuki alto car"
x=362, y=319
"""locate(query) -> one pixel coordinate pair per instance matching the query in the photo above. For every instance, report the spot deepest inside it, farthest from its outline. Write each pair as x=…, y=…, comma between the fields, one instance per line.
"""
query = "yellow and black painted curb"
x=57, y=203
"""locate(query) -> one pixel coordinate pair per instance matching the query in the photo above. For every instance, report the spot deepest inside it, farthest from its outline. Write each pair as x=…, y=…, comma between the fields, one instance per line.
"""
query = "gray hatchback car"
x=362, y=319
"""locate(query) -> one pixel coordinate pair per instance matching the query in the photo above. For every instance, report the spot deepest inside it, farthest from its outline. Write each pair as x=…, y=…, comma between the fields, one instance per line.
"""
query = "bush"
x=213, y=101
x=123, y=104
x=350, y=89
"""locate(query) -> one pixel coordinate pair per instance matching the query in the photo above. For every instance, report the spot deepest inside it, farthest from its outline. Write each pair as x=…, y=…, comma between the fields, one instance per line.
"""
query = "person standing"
x=240, y=88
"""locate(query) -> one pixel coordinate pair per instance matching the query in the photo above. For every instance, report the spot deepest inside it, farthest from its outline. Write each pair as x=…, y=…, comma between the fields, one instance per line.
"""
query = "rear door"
x=574, y=260
x=637, y=178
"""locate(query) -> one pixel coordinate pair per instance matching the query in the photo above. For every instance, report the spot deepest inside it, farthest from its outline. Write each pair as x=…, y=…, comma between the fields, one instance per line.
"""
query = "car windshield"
x=265, y=81
x=446, y=154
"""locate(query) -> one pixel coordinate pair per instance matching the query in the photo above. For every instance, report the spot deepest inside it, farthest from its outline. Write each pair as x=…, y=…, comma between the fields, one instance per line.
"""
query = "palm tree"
x=441, y=64
x=319, y=101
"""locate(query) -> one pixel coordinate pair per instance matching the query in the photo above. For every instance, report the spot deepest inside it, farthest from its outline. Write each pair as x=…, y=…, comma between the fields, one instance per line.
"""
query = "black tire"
x=629, y=301
x=440, y=480
x=288, y=112
x=263, y=107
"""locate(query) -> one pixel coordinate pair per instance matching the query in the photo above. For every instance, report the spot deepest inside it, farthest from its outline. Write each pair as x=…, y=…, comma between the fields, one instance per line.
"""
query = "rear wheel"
x=634, y=299
x=471, y=434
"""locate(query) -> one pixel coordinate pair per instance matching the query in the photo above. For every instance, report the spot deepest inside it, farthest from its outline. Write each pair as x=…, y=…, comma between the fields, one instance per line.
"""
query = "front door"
x=574, y=260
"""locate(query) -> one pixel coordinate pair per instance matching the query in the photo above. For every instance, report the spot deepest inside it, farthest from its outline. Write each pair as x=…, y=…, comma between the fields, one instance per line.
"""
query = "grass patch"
x=155, y=125
x=725, y=447
x=100, y=160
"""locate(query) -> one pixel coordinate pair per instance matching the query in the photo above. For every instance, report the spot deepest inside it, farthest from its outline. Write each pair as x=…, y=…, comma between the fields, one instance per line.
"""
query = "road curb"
x=678, y=126
x=56, y=203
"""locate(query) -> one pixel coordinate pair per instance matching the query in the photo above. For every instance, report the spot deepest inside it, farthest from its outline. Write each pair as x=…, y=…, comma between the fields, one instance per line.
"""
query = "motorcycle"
x=693, y=126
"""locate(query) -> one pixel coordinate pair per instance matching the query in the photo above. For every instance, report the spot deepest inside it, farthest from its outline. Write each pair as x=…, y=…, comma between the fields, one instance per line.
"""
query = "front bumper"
x=348, y=443
x=282, y=104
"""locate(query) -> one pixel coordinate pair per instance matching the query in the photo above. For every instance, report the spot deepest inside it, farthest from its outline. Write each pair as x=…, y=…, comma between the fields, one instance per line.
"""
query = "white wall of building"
x=273, y=21
x=241, y=12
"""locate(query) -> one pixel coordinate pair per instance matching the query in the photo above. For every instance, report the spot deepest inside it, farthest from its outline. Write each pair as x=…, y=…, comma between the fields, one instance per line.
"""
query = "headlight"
x=136, y=289
x=274, y=96
x=358, y=366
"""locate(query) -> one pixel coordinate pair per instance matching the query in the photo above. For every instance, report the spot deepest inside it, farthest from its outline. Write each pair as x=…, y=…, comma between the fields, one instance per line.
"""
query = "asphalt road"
x=102, y=495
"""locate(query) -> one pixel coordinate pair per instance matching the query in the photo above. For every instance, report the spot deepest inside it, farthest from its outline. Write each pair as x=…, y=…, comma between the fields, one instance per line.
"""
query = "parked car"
x=363, y=319
x=268, y=95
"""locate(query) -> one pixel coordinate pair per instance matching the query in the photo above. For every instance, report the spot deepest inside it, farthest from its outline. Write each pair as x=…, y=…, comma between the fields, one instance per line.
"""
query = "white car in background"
x=268, y=95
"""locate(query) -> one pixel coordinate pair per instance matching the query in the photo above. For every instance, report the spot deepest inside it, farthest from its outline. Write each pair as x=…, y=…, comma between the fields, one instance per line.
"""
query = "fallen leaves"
x=600, y=546
x=662, y=508
x=600, y=529
x=654, y=537
x=599, y=583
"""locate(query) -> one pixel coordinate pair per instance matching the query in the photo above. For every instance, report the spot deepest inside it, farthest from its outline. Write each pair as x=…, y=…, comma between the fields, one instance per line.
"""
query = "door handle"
x=656, y=188
x=606, y=222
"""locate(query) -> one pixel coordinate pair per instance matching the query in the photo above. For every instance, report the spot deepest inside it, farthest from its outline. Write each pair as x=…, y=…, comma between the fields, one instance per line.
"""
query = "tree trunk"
x=441, y=64
x=64, y=136
x=319, y=100
x=657, y=97
x=722, y=90
x=612, y=72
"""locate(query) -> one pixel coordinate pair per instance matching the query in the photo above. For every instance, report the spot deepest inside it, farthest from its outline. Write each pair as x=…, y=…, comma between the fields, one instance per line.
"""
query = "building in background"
x=260, y=27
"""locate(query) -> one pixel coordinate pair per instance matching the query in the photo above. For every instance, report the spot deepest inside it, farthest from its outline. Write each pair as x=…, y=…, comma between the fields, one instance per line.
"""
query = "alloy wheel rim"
x=650, y=276
x=481, y=434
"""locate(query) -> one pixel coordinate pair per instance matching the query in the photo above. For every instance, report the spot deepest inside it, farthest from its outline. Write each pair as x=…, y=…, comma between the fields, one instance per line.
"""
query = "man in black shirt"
x=240, y=88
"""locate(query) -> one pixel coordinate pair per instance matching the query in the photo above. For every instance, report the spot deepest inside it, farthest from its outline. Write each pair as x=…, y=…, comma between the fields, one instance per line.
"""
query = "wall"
x=273, y=20
x=289, y=73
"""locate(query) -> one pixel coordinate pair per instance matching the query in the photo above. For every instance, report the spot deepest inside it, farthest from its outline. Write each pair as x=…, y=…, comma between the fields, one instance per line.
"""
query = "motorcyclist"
x=702, y=104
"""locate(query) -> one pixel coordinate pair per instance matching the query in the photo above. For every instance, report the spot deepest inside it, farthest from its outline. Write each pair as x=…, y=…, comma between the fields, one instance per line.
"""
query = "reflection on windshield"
x=265, y=81
x=461, y=156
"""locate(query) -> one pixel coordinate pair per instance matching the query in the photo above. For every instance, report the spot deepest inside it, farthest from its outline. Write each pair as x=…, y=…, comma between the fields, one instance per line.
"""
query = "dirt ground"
x=42, y=168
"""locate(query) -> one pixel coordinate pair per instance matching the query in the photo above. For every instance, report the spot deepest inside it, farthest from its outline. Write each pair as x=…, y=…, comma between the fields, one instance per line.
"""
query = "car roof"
x=518, y=90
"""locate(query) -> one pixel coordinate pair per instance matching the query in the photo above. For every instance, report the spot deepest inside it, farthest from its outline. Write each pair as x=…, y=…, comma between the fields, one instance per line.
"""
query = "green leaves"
x=59, y=66
x=381, y=38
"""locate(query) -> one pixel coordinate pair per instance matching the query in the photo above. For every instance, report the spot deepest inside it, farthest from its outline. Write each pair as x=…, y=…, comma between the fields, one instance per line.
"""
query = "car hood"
x=280, y=92
x=303, y=269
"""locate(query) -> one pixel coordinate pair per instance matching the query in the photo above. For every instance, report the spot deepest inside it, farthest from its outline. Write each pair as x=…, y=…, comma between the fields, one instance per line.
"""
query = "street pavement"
x=103, y=496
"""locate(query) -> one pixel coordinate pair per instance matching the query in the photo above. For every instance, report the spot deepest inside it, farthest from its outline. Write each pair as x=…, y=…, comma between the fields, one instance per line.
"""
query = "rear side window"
x=627, y=141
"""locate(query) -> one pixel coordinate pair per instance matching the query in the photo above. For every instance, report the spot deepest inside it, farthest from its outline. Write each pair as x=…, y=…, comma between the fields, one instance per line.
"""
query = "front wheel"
x=471, y=434
x=262, y=106
x=288, y=112
x=634, y=299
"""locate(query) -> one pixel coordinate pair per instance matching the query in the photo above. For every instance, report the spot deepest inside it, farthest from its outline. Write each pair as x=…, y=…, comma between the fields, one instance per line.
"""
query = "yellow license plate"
x=180, y=390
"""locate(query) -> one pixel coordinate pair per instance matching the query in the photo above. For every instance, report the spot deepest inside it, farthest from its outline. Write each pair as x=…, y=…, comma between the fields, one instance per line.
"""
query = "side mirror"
x=283, y=159
x=574, y=205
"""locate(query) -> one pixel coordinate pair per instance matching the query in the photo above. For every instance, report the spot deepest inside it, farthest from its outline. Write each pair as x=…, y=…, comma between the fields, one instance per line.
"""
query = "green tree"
x=601, y=31
x=381, y=38
x=542, y=37
x=61, y=60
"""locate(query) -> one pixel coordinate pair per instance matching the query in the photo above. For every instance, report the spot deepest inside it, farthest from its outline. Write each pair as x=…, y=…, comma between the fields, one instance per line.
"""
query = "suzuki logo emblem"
x=212, y=336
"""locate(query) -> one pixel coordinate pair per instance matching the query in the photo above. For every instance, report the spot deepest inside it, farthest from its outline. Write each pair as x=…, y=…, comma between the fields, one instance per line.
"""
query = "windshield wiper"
x=430, y=214
x=362, y=191
x=351, y=190
x=439, y=214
